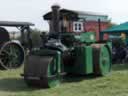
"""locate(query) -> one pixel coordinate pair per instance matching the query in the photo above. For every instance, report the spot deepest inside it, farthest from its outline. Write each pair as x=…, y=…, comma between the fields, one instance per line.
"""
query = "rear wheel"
x=11, y=55
x=101, y=59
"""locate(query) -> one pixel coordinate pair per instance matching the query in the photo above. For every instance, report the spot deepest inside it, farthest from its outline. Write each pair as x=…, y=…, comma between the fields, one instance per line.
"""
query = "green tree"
x=36, y=39
x=110, y=24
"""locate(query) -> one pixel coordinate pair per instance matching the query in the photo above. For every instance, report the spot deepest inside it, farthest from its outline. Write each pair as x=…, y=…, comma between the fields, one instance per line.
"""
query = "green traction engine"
x=66, y=53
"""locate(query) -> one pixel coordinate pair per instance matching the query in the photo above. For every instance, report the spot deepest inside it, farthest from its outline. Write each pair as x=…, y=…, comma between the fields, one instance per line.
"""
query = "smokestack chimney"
x=55, y=19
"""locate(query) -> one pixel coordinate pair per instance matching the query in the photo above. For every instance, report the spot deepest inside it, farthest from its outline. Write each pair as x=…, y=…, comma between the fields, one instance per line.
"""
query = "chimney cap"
x=56, y=5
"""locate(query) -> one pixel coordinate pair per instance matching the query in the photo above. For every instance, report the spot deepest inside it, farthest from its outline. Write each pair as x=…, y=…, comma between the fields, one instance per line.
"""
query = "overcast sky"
x=32, y=10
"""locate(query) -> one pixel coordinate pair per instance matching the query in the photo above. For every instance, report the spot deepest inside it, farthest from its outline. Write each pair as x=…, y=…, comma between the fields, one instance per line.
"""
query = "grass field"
x=114, y=84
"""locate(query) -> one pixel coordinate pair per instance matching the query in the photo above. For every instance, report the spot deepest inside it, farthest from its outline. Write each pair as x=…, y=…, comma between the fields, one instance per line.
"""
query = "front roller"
x=42, y=71
x=101, y=59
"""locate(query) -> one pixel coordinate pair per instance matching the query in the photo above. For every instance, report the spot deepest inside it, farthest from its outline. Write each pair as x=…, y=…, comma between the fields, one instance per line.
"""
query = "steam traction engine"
x=11, y=51
x=62, y=53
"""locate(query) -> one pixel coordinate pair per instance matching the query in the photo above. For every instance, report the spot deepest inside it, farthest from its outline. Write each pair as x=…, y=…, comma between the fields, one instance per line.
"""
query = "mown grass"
x=114, y=84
